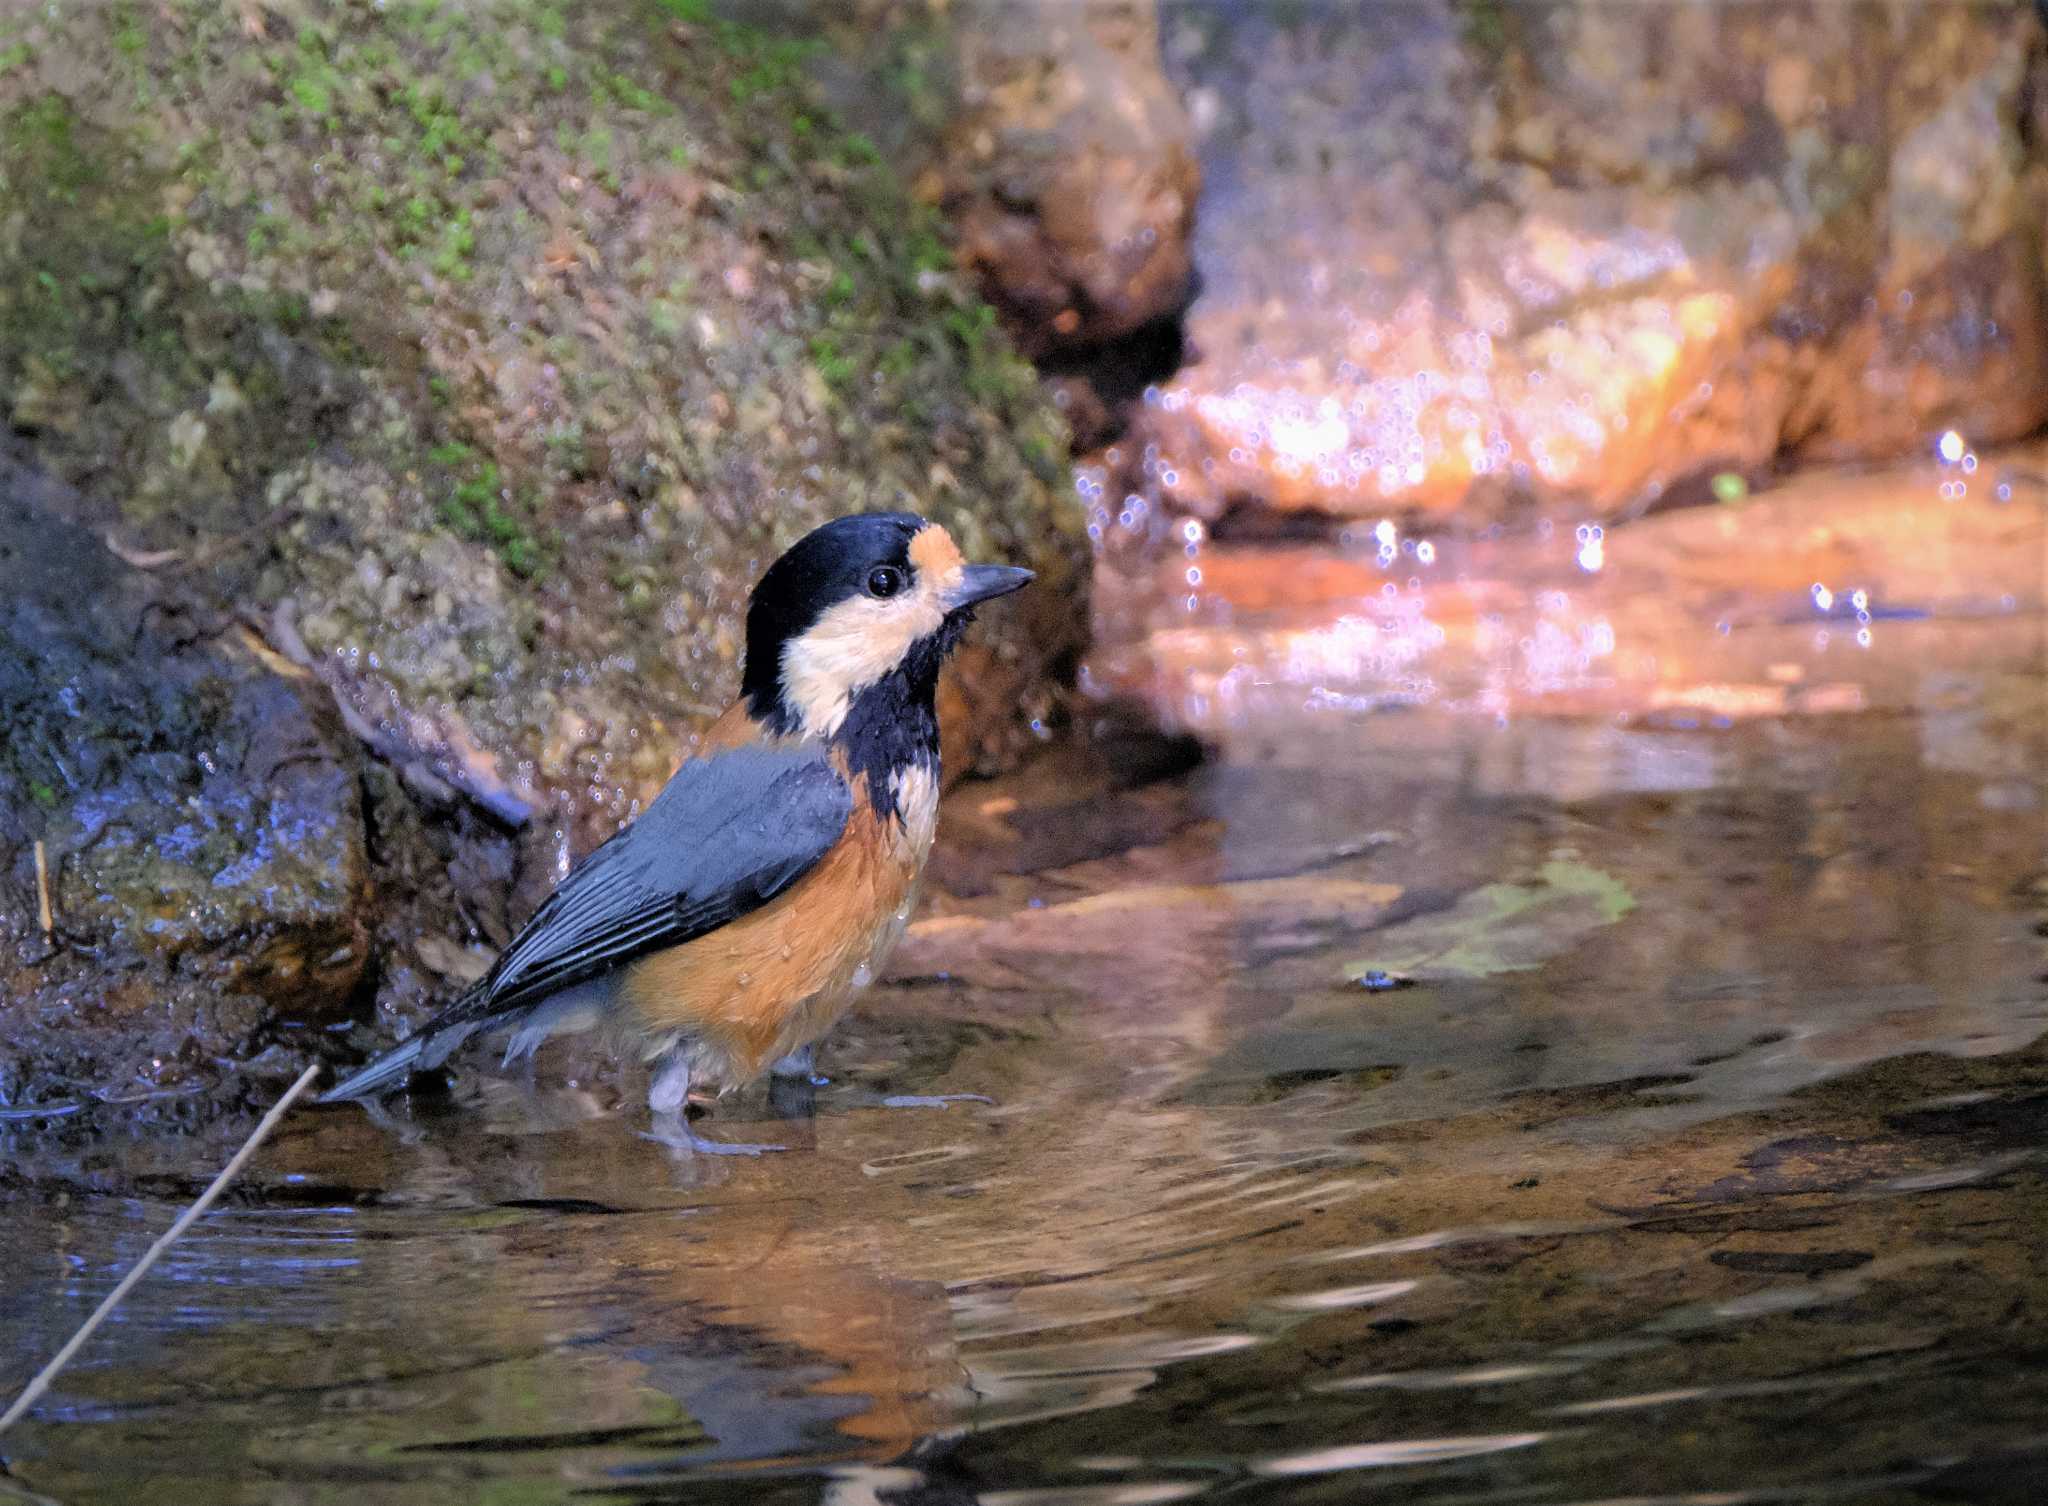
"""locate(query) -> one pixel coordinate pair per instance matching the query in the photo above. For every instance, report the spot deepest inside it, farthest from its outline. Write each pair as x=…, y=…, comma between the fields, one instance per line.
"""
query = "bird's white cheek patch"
x=849, y=648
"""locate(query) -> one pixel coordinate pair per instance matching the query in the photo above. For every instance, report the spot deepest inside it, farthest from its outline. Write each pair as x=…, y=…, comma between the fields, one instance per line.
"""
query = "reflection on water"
x=1701, y=1162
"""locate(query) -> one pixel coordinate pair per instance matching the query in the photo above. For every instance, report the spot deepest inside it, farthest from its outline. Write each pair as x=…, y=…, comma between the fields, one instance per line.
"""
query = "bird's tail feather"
x=380, y=1075
x=417, y=1053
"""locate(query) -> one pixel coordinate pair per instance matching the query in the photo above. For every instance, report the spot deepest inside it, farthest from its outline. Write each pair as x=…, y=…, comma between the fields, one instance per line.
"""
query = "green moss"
x=898, y=361
x=129, y=37
x=478, y=509
x=856, y=150
x=1483, y=24
x=928, y=253
x=994, y=372
x=832, y=363
x=99, y=247
x=634, y=96
x=457, y=241
x=42, y=147
x=771, y=63
x=313, y=92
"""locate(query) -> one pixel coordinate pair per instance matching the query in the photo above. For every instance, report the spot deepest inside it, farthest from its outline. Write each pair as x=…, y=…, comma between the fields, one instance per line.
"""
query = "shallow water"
x=1701, y=1161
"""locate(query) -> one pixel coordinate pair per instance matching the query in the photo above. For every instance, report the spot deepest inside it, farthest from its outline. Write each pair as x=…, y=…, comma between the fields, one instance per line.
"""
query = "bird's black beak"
x=979, y=583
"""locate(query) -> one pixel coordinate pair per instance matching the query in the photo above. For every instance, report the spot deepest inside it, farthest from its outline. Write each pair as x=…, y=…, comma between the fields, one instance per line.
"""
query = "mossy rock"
x=485, y=353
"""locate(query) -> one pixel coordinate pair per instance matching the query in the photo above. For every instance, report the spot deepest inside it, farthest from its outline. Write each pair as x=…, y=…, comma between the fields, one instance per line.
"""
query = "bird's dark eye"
x=884, y=581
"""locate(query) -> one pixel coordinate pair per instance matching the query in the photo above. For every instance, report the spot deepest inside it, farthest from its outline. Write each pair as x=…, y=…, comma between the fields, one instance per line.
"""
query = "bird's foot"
x=703, y=1147
x=673, y=1131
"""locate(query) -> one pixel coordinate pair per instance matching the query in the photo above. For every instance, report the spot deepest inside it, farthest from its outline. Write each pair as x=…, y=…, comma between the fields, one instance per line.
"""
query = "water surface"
x=1701, y=1159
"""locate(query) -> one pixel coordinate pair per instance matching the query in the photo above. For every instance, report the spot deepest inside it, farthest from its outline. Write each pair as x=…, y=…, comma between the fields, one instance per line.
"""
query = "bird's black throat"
x=892, y=724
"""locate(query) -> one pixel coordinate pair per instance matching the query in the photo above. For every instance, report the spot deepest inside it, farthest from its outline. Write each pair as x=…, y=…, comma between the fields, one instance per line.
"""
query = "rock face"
x=492, y=354
x=1459, y=254
x=1072, y=179
x=203, y=856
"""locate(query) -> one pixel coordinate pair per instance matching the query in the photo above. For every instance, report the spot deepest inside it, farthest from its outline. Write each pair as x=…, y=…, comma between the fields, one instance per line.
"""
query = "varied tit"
x=724, y=931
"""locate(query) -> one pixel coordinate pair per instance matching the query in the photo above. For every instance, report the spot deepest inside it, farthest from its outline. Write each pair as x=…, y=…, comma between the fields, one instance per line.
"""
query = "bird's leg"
x=669, y=1090
x=668, y=1096
x=792, y=1097
x=408, y=1131
x=801, y=1063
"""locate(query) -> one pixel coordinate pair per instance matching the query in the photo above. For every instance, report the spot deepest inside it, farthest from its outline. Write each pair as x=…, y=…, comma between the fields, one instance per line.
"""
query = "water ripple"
x=1383, y=1455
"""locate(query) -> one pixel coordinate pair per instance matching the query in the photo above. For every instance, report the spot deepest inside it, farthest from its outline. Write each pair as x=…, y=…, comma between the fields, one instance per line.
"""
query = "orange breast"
x=735, y=728
x=776, y=979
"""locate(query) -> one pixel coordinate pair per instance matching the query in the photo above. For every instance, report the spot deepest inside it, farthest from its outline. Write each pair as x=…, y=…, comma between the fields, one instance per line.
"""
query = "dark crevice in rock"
x=1098, y=388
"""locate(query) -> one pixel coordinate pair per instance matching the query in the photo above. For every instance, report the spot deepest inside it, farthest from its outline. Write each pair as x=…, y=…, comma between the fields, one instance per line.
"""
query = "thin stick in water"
x=164, y=1241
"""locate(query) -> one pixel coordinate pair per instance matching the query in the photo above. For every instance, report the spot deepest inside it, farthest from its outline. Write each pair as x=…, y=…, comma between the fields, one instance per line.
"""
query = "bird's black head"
x=848, y=628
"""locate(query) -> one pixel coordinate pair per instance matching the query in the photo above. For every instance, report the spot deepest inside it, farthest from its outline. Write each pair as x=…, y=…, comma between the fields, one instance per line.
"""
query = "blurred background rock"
x=1460, y=257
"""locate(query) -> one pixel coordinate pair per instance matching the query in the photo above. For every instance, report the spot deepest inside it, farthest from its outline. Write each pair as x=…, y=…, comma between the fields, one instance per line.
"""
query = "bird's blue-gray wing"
x=726, y=835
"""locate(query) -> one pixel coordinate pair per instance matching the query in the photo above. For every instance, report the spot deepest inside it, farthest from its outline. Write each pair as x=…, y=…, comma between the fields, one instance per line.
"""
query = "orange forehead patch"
x=933, y=554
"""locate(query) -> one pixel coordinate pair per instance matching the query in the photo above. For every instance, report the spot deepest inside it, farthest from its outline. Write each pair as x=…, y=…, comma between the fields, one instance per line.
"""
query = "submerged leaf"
x=1502, y=928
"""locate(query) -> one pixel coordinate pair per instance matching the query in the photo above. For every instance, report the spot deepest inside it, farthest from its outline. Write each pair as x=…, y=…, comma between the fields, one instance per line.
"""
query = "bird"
x=723, y=932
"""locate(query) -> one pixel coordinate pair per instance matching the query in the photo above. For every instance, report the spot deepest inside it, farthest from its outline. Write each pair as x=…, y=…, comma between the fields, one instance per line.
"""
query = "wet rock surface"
x=1458, y=256
x=1062, y=160
x=1074, y=183
x=1829, y=594
x=185, y=813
